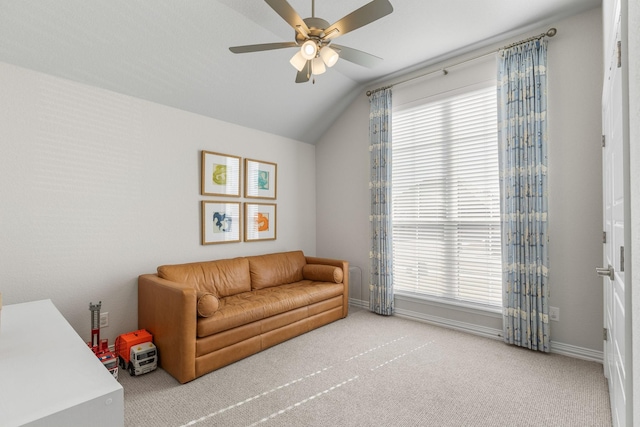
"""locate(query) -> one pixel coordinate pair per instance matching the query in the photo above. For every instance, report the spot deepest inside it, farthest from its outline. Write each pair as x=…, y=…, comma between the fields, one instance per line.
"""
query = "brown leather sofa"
x=206, y=315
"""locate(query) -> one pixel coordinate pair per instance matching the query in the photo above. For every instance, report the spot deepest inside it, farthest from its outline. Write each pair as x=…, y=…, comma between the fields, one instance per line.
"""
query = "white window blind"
x=446, y=206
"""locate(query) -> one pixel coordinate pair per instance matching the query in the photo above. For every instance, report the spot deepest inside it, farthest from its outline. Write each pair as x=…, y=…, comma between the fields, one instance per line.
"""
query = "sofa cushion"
x=222, y=278
x=276, y=269
x=317, y=291
x=234, y=311
x=322, y=273
x=207, y=304
x=248, y=307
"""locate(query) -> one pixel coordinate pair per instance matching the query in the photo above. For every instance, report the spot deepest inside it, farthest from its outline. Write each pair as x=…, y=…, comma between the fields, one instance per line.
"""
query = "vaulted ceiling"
x=175, y=52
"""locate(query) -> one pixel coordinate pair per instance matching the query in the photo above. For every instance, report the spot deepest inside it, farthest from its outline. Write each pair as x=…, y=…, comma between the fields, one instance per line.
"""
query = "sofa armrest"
x=168, y=311
x=344, y=265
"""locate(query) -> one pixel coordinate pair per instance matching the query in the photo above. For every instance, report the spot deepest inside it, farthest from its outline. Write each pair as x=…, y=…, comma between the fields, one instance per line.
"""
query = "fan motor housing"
x=316, y=29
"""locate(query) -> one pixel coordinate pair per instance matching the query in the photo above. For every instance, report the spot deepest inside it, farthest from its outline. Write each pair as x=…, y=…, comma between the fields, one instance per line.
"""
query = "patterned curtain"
x=522, y=136
x=381, y=255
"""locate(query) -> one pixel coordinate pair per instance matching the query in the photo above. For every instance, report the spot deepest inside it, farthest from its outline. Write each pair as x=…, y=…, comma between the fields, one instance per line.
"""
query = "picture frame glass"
x=260, y=221
x=220, y=222
x=260, y=179
x=220, y=174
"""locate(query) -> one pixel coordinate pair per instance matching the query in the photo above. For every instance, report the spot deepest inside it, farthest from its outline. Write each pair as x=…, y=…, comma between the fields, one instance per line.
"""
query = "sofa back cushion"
x=276, y=269
x=222, y=278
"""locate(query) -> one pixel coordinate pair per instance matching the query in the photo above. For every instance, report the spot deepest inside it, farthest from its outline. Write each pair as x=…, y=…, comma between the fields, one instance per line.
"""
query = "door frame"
x=630, y=110
x=631, y=29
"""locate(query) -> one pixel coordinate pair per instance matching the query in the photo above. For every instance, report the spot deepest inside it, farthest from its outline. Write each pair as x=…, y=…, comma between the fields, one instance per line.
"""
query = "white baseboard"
x=556, y=347
x=577, y=352
x=359, y=303
x=482, y=331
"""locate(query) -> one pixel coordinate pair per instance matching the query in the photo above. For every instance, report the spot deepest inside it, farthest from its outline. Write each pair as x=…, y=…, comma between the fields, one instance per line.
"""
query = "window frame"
x=465, y=305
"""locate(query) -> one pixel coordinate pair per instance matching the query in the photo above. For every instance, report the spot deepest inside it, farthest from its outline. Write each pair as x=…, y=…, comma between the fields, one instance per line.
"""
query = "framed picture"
x=220, y=175
x=220, y=222
x=260, y=179
x=259, y=221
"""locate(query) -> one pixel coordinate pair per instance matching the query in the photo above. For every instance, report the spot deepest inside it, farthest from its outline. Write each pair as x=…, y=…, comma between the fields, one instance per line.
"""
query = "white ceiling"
x=175, y=52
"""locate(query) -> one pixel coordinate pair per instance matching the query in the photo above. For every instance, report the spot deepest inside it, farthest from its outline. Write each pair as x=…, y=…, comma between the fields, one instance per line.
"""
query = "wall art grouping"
x=222, y=221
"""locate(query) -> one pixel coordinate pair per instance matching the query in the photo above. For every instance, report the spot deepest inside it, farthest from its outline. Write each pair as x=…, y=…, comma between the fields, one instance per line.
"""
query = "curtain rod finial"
x=552, y=32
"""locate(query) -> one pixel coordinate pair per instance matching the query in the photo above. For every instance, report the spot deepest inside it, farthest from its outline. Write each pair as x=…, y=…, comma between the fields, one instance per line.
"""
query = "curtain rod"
x=550, y=33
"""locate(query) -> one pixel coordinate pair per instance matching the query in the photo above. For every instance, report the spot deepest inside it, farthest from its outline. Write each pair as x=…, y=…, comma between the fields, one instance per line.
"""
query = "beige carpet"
x=371, y=370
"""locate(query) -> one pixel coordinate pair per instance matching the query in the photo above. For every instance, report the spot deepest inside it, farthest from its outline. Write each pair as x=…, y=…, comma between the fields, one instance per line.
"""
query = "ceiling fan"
x=314, y=38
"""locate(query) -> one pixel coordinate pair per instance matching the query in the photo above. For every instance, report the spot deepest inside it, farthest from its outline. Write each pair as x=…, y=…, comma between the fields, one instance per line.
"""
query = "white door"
x=615, y=363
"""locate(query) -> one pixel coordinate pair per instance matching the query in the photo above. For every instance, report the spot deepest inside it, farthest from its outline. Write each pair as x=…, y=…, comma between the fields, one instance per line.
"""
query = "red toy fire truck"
x=101, y=347
x=136, y=352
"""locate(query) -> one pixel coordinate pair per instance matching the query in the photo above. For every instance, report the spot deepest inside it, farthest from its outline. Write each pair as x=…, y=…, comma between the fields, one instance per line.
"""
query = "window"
x=446, y=200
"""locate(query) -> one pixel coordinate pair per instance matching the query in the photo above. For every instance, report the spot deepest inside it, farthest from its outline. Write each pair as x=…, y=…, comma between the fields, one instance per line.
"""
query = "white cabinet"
x=48, y=374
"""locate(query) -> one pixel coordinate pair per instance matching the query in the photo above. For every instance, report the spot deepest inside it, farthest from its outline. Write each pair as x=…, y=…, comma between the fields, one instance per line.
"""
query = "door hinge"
x=603, y=139
x=604, y=237
x=619, y=54
x=621, y=258
x=605, y=334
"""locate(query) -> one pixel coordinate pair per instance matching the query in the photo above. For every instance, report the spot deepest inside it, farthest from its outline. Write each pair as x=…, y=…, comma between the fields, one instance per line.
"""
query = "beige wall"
x=575, y=81
x=98, y=188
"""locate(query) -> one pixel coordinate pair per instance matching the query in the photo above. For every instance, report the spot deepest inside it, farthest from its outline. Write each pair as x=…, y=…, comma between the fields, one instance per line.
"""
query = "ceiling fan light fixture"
x=314, y=37
x=298, y=61
x=309, y=49
x=317, y=66
x=329, y=56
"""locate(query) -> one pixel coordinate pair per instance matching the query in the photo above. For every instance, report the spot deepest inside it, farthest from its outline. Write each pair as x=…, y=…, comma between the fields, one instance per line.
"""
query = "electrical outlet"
x=104, y=319
x=554, y=313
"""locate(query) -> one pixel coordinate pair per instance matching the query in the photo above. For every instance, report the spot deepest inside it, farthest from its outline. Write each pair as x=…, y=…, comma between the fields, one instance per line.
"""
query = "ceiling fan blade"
x=358, y=18
x=304, y=74
x=288, y=13
x=356, y=56
x=261, y=47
